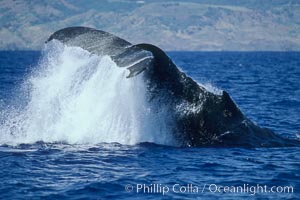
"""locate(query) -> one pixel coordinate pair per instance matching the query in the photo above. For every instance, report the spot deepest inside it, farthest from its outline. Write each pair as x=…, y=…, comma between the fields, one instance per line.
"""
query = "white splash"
x=80, y=98
x=211, y=88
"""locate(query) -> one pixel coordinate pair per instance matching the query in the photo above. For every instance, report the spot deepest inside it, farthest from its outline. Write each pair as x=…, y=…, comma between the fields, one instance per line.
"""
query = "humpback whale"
x=202, y=118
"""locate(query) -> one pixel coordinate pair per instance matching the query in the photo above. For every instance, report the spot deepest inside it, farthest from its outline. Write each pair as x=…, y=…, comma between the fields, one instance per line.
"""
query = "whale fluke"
x=202, y=118
x=100, y=43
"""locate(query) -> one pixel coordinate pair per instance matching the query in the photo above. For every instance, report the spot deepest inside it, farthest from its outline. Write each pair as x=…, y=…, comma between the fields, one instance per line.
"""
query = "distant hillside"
x=173, y=25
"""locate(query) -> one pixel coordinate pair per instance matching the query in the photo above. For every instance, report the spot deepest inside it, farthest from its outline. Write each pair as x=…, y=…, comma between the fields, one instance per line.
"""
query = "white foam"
x=211, y=88
x=80, y=98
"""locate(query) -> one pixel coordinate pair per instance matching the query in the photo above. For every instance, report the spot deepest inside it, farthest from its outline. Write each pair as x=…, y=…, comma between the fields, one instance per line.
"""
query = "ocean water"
x=67, y=134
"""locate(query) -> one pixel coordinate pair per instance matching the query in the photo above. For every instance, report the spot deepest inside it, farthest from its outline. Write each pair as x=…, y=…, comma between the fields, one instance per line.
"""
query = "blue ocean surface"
x=265, y=86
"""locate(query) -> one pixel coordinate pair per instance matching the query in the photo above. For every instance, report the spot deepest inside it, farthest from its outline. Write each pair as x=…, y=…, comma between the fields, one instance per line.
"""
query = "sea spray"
x=80, y=98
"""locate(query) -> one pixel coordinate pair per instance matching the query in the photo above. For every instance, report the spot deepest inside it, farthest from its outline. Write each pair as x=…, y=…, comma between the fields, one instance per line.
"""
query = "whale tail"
x=202, y=117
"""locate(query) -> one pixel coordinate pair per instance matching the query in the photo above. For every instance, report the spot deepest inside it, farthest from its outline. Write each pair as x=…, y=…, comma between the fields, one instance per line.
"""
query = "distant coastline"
x=173, y=26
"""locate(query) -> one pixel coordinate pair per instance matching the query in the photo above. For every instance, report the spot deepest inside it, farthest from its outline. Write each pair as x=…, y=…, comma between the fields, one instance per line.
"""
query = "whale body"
x=202, y=118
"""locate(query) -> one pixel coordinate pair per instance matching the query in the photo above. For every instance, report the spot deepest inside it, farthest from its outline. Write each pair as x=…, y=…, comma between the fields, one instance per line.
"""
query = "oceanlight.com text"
x=156, y=188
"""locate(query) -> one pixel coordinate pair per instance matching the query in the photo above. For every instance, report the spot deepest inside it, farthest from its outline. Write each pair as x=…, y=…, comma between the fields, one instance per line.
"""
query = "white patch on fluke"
x=80, y=98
